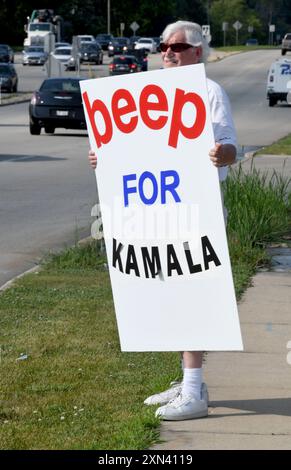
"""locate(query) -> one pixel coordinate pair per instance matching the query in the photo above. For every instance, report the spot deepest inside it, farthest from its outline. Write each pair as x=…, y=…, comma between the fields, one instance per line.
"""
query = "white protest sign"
x=161, y=211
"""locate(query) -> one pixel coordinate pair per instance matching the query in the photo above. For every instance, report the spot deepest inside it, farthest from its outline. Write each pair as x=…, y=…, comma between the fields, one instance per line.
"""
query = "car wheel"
x=49, y=129
x=283, y=52
x=272, y=101
x=15, y=88
x=34, y=128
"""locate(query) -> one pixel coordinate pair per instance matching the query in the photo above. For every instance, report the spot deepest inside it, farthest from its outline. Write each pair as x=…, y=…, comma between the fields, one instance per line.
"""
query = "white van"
x=86, y=38
x=279, y=81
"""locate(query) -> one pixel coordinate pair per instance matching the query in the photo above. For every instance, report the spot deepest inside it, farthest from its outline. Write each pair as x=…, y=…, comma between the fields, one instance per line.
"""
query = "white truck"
x=41, y=23
x=279, y=81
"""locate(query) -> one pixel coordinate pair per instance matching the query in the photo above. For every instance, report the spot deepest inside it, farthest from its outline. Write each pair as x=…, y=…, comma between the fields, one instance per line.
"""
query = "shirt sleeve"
x=221, y=117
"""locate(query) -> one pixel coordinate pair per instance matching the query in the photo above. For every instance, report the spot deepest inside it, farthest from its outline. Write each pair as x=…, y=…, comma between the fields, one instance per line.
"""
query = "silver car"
x=34, y=55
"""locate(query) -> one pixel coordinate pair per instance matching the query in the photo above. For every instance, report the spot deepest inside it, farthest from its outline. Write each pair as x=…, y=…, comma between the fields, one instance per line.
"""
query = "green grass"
x=259, y=208
x=280, y=147
x=75, y=389
x=244, y=48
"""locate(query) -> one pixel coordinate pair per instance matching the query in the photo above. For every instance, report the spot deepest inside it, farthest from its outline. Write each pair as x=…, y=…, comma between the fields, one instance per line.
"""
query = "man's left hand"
x=223, y=154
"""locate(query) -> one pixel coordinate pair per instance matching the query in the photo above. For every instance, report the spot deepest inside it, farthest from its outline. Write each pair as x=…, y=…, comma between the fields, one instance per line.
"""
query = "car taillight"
x=111, y=66
x=133, y=66
x=35, y=98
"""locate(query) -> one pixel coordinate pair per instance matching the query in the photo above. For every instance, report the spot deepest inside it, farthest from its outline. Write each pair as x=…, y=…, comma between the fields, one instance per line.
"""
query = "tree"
x=231, y=11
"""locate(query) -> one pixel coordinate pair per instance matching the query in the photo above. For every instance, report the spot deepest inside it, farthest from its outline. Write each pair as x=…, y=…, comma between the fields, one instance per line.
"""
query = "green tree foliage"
x=90, y=16
x=231, y=11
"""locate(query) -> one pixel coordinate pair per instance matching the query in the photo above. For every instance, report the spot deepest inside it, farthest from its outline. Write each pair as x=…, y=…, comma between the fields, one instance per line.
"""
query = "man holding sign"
x=183, y=44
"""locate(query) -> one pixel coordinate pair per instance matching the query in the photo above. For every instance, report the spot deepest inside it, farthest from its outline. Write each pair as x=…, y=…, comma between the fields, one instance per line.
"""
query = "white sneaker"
x=164, y=397
x=176, y=387
x=183, y=407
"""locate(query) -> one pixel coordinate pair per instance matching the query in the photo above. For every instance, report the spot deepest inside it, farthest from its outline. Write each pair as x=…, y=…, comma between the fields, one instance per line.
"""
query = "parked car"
x=252, y=42
x=8, y=78
x=146, y=43
x=124, y=64
x=118, y=46
x=34, y=55
x=91, y=52
x=104, y=40
x=57, y=103
x=6, y=53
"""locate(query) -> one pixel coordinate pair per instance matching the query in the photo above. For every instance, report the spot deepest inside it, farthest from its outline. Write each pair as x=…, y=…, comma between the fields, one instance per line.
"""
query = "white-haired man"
x=183, y=44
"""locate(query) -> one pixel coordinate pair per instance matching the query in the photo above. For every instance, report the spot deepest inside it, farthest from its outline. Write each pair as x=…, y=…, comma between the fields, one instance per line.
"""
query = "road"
x=46, y=187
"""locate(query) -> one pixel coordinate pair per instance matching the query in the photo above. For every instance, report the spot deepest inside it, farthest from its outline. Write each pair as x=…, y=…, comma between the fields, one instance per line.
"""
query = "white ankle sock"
x=192, y=382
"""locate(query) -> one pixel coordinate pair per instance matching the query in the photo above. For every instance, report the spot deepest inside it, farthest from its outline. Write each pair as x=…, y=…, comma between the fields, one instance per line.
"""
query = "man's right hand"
x=92, y=159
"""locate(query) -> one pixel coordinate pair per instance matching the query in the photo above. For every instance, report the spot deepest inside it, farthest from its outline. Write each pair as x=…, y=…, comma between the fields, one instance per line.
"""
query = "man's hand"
x=92, y=159
x=223, y=154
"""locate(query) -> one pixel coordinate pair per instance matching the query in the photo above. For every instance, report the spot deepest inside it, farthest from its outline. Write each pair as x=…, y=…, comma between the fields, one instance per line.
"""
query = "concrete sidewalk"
x=250, y=391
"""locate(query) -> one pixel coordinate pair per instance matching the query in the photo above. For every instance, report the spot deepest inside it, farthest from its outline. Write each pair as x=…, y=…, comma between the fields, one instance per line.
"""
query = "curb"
x=36, y=268
x=24, y=100
x=9, y=283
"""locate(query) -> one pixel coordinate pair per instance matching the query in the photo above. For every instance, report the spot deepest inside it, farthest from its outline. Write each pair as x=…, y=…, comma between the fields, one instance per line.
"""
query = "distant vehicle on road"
x=34, y=55
x=57, y=103
x=118, y=46
x=124, y=64
x=252, y=42
x=91, y=52
x=146, y=43
x=8, y=78
x=62, y=44
x=62, y=54
x=86, y=38
x=286, y=44
x=279, y=81
x=141, y=56
x=104, y=40
x=6, y=53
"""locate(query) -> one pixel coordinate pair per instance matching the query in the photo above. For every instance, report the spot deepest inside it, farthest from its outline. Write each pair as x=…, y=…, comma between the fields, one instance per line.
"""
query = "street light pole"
x=108, y=17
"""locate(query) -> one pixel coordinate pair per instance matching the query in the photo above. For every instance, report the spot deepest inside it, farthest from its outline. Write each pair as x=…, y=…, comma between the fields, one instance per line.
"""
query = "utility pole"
x=108, y=17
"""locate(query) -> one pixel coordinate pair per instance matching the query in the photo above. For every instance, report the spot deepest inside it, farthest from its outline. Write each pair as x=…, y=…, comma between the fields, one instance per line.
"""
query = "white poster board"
x=161, y=210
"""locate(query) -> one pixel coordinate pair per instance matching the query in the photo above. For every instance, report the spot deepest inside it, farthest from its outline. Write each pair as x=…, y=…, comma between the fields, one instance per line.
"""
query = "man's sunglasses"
x=176, y=47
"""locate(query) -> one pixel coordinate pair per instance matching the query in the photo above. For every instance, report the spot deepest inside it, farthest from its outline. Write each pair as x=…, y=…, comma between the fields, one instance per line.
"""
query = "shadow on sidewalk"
x=265, y=406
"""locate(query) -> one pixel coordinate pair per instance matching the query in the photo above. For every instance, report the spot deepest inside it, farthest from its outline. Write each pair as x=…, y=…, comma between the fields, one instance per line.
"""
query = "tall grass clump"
x=259, y=212
x=87, y=255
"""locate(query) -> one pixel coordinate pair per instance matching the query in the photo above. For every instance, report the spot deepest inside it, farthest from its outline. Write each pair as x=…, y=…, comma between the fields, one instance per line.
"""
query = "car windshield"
x=120, y=40
x=89, y=47
x=3, y=47
x=40, y=27
x=64, y=51
x=4, y=70
x=146, y=41
x=35, y=49
x=288, y=36
x=107, y=37
x=71, y=86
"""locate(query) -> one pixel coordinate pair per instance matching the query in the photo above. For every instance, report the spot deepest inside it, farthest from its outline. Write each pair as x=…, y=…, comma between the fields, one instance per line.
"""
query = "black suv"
x=91, y=52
